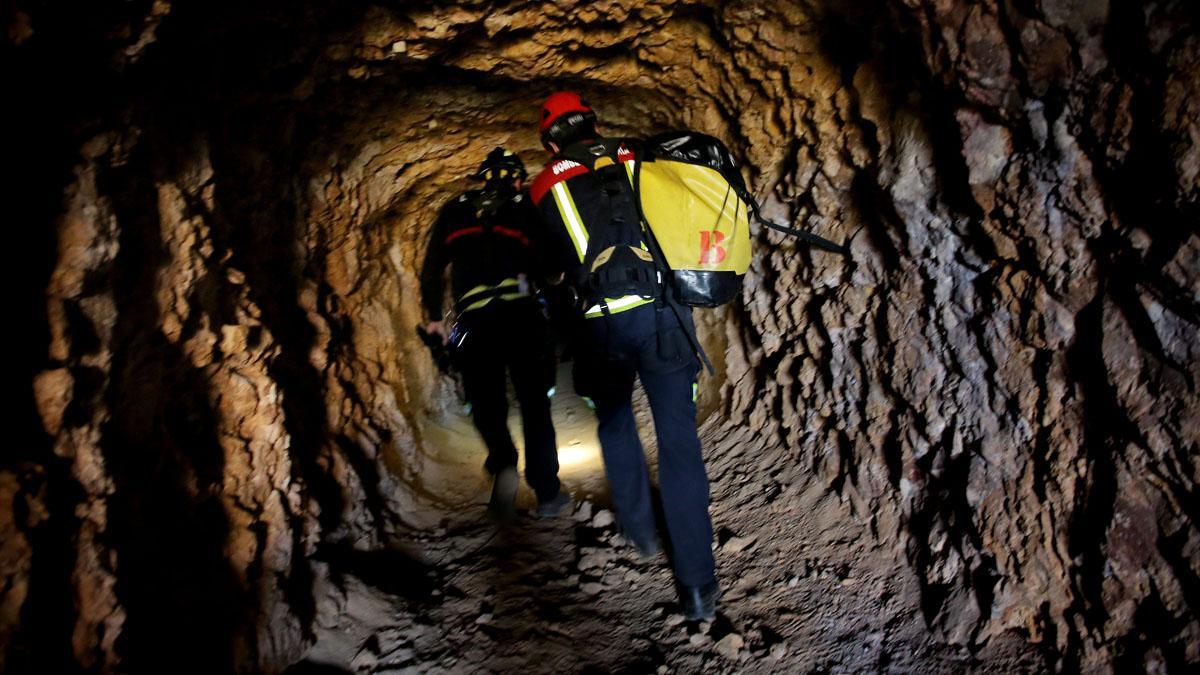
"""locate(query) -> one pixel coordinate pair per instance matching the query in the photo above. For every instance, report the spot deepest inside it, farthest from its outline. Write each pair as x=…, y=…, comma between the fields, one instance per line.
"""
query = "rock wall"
x=193, y=437
x=222, y=209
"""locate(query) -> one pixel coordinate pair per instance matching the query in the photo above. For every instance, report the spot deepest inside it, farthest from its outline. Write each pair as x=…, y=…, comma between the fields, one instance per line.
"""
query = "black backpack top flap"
x=695, y=148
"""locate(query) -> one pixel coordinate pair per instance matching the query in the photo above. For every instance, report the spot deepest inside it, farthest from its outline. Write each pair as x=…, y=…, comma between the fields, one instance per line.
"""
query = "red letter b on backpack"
x=711, y=251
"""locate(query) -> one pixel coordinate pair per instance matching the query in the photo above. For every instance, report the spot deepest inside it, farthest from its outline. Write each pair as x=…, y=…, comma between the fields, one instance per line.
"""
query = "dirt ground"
x=806, y=587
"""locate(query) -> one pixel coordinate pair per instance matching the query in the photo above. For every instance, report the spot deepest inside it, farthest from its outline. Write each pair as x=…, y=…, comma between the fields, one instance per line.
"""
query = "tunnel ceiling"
x=222, y=208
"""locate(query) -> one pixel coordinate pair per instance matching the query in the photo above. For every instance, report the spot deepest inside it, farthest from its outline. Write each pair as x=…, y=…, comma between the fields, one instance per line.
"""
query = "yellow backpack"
x=696, y=204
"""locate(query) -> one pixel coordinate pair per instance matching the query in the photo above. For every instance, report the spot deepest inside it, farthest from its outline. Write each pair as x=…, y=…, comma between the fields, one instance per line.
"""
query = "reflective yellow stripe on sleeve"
x=485, y=301
x=511, y=283
x=570, y=218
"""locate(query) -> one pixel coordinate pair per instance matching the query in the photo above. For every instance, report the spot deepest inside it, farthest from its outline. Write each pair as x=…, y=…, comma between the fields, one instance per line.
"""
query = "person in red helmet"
x=489, y=239
x=628, y=328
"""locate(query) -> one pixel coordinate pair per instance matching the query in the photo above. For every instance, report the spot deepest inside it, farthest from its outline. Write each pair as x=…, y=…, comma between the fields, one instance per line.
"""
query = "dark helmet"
x=501, y=164
x=565, y=117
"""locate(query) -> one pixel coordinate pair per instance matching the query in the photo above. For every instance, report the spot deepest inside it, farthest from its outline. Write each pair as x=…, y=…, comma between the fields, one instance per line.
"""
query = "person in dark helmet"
x=490, y=240
x=628, y=328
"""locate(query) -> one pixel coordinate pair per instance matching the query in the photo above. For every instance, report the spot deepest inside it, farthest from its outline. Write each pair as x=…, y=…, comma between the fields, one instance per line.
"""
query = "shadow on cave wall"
x=166, y=522
x=219, y=79
x=183, y=604
x=43, y=135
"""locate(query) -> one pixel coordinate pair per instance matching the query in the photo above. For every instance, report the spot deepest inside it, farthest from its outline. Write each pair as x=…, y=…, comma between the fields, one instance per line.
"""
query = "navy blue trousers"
x=649, y=345
x=511, y=338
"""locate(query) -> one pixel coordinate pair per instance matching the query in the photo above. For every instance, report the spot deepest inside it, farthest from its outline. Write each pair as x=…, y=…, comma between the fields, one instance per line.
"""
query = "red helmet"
x=566, y=118
x=558, y=104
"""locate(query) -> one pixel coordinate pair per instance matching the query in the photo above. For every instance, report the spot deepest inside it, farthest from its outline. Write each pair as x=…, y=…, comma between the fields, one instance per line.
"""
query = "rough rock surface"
x=985, y=419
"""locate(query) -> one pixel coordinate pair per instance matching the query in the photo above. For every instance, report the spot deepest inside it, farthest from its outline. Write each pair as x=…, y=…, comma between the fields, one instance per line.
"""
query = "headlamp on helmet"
x=501, y=164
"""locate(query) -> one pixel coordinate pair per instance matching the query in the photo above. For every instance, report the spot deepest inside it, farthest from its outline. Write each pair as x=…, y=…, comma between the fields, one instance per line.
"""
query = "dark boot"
x=554, y=506
x=699, y=602
x=503, y=507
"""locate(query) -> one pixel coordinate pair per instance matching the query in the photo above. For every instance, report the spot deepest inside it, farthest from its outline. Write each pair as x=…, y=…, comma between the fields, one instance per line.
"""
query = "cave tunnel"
x=968, y=445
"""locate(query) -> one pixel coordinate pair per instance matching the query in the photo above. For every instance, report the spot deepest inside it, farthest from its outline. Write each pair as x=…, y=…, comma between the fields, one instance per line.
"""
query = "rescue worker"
x=586, y=200
x=489, y=238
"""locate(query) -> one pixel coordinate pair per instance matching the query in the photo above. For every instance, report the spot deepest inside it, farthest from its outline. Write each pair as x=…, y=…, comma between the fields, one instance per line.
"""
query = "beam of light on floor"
x=579, y=456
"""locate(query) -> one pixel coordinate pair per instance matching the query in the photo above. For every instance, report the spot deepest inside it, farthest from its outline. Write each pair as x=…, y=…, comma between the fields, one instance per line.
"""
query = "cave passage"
x=968, y=445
